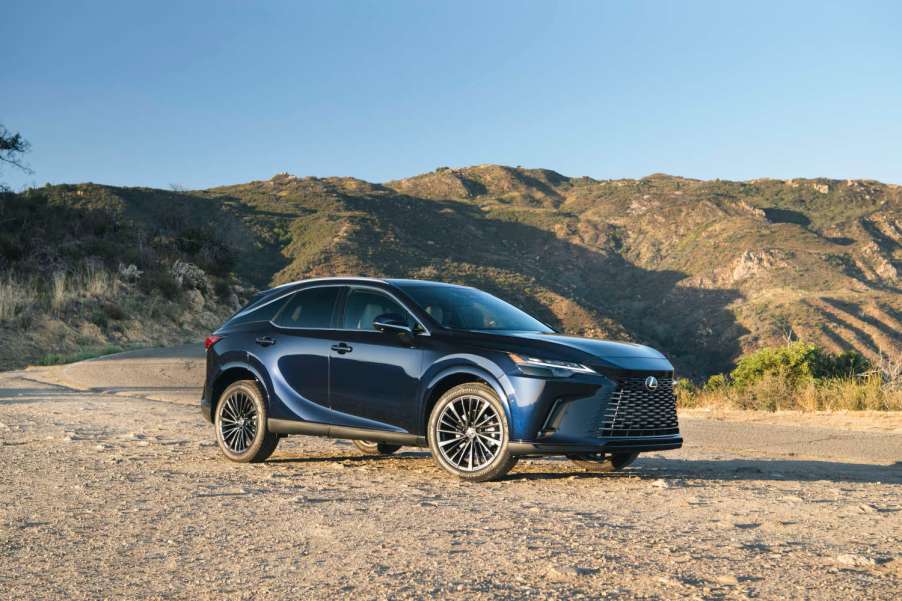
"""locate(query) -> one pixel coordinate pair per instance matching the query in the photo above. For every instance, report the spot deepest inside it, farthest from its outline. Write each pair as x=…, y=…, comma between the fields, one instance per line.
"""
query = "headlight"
x=560, y=369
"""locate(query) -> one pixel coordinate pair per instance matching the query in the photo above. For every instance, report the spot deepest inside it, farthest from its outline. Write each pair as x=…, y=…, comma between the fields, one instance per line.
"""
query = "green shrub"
x=716, y=382
x=796, y=362
x=161, y=282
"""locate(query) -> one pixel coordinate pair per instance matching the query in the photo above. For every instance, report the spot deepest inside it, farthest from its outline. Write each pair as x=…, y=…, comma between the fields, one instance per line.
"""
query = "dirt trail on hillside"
x=119, y=491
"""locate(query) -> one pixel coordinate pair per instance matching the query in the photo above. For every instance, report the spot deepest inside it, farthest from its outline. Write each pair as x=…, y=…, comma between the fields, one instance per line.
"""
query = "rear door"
x=299, y=349
x=374, y=376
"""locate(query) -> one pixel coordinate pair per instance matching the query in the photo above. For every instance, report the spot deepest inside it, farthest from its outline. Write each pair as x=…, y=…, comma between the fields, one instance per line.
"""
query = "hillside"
x=704, y=270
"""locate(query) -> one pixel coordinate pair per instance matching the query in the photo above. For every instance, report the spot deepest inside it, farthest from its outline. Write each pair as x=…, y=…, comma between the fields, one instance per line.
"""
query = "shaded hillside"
x=702, y=269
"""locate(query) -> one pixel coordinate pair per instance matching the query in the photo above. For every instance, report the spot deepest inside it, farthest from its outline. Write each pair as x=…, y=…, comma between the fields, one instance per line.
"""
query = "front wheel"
x=368, y=447
x=469, y=434
x=241, y=424
x=603, y=462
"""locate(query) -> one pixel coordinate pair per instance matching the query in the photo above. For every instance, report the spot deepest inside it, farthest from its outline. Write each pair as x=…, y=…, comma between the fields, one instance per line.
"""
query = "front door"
x=374, y=376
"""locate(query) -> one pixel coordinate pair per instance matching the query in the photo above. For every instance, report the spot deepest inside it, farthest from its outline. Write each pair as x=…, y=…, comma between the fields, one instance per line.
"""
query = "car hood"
x=604, y=349
x=619, y=355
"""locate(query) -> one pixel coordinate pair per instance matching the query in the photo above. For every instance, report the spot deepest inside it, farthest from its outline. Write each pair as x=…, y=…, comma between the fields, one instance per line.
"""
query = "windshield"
x=461, y=308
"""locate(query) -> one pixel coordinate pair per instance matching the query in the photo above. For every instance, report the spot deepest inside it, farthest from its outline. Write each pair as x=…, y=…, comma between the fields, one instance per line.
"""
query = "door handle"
x=265, y=341
x=342, y=348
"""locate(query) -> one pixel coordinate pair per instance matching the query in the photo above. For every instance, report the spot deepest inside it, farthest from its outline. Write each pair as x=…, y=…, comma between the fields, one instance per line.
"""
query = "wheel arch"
x=231, y=374
x=447, y=379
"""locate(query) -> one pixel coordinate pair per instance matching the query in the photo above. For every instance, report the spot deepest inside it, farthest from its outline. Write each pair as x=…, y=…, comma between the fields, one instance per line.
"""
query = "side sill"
x=287, y=426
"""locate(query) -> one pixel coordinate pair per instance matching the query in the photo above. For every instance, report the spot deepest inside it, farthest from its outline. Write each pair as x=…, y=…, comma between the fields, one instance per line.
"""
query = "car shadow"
x=777, y=470
x=655, y=468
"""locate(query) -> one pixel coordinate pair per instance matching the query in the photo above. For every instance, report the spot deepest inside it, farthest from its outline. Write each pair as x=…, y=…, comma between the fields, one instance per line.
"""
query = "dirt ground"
x=118, y=491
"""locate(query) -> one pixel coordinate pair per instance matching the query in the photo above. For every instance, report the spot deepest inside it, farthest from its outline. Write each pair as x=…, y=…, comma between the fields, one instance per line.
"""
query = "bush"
x=716, y=382
x=162, y=283
x=797, y=376
x=796, y=362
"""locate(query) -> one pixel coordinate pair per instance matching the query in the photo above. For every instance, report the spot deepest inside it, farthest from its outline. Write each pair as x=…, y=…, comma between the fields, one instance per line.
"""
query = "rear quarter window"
x=264, y=312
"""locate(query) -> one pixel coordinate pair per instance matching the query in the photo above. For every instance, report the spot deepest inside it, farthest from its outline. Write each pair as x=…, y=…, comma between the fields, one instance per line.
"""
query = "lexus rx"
x=389, y=362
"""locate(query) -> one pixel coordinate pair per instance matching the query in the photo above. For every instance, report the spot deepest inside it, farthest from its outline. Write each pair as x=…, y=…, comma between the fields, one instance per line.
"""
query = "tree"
x=12, y=147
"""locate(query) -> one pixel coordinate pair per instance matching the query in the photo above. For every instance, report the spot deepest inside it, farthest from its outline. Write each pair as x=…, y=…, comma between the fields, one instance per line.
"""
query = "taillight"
x=211, y=340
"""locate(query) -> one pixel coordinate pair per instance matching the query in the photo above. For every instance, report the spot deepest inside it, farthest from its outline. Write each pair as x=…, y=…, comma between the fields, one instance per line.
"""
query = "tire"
x=472, y=442
x=240, y=422
x=368, y=447
x=603, y=463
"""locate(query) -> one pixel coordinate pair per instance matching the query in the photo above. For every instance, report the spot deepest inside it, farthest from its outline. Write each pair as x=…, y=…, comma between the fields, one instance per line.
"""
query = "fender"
x=473, y=365
x=254, y=369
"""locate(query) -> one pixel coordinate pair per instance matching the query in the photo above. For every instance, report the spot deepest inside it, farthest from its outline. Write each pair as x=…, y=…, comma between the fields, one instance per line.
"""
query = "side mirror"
x=392, y=323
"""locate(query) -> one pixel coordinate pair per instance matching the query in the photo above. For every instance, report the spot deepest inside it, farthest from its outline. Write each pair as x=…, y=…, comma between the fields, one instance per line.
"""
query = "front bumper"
x=593, y=413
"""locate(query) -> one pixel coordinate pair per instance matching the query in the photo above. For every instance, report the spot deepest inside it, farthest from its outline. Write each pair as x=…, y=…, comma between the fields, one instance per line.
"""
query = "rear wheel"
x=468, y=434
x=241, y=424
x=368, y=447
x=603, y=462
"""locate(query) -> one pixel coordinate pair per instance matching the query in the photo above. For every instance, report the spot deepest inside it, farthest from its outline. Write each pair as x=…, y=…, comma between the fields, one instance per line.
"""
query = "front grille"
x=634, y=410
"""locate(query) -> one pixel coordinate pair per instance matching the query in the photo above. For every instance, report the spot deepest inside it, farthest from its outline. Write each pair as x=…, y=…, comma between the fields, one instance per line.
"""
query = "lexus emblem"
x=651, y=383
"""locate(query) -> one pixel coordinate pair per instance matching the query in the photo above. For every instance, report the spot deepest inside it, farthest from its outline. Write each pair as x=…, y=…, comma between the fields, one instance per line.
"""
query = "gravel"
x=159, y=514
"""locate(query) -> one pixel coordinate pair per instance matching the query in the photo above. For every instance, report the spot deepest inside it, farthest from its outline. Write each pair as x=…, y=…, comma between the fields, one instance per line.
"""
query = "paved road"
x=176, y=374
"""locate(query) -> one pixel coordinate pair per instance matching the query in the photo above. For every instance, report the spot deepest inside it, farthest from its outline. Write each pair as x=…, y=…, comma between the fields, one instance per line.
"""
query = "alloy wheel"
x=238, y=422
x=469, y=433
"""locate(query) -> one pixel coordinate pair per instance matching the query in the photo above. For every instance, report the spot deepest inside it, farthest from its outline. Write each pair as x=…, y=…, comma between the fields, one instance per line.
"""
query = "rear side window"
x=363, y=306
x=311, y=308
x=264, y=312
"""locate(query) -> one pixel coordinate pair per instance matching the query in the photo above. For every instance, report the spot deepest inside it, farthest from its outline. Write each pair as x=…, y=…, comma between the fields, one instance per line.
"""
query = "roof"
x=399, y=282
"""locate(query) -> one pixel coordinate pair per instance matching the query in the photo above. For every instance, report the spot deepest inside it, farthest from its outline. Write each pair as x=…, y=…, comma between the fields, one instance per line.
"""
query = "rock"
x=727, y=580
x=858, y=561
x=102, y=447
x=661, y=484
x=566, y=572
x=233, y=301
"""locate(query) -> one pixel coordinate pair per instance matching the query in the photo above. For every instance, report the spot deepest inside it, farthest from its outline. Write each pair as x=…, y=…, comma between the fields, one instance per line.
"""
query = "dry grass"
x=23, y=296
x=16, y=296
x=776, y=394
x=87, y=283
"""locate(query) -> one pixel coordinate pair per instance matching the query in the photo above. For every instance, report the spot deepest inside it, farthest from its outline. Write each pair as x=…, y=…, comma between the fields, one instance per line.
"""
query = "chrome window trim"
x=425, y=332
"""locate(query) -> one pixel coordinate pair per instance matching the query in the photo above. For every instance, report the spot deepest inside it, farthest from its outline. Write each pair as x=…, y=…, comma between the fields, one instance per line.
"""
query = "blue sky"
x=207, y=93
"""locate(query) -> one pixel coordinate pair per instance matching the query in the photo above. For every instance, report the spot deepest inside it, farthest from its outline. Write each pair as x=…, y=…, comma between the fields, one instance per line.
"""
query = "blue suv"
x=390, y=363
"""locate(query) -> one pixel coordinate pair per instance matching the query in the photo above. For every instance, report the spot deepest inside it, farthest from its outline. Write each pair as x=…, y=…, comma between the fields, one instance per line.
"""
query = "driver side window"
x=363, y=306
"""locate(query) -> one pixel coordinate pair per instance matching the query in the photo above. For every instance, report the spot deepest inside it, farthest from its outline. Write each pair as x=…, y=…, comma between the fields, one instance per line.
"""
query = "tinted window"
x=311, y=308
x=363, y=306
x=461, y=308
x=264, y=312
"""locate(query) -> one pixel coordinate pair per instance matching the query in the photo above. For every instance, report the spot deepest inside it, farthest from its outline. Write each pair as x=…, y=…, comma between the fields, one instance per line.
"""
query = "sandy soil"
x=118, y=491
